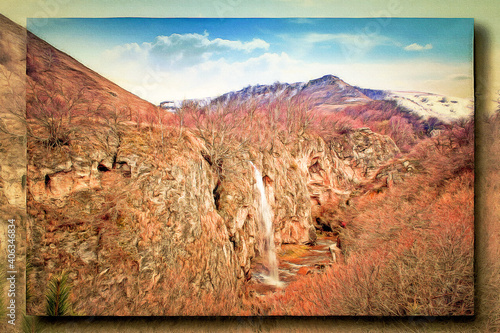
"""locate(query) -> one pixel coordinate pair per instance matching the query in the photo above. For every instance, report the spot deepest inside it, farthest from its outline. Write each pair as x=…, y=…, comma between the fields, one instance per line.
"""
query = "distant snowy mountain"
x=374, y=93
x=424, y=104
x=329, y=90
x=330, y=94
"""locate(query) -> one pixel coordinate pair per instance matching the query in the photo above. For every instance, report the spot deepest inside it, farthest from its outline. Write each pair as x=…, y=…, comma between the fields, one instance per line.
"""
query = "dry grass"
x=409, y=250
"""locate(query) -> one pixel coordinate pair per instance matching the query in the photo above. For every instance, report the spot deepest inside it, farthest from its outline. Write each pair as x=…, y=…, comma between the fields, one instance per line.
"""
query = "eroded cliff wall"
x=116, y=207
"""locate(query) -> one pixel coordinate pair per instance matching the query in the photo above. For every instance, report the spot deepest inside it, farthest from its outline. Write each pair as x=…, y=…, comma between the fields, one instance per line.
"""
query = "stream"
x=294, y=260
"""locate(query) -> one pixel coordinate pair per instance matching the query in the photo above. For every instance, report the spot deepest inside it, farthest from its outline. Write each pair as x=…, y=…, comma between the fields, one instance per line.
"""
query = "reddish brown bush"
x=409, y=250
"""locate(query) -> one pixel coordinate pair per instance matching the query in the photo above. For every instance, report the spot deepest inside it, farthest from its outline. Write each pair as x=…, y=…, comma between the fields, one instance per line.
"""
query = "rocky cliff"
x=131, y=209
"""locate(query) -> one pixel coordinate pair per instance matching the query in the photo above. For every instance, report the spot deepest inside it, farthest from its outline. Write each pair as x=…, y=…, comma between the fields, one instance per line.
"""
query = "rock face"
x=12, y=155
x=364, y=152
x=165, y=206
x=154, y=212
x=12, y=131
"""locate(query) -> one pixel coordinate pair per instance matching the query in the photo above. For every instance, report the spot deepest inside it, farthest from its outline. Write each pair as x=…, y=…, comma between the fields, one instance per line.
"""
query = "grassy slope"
x=49, y=68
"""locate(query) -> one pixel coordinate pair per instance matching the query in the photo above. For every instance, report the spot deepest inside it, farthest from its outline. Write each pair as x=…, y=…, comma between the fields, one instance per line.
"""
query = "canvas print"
x=240, y=167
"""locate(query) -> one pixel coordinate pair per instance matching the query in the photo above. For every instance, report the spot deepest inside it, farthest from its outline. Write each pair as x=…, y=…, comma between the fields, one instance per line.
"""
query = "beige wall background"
x=487, y=88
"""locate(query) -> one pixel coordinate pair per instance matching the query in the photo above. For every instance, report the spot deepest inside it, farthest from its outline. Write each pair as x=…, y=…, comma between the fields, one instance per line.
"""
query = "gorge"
x=150, y=212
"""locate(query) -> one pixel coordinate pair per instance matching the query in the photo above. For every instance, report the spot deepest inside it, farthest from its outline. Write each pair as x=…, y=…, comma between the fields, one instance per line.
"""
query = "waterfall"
x=269, y=247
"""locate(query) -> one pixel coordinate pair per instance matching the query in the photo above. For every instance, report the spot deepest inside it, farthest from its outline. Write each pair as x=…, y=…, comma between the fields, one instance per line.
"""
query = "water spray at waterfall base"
x=269, y=248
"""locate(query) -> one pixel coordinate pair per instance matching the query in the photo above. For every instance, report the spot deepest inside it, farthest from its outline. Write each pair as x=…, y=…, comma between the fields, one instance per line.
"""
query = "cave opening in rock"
x=47, y=182
x=267, y=181
x=315, y=168
x=216, y=195
x=321, y=226
x=124, y=168
x=102, y=168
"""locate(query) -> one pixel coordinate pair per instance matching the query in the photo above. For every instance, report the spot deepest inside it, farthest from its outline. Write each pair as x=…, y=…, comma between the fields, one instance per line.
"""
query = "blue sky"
x=178, y=58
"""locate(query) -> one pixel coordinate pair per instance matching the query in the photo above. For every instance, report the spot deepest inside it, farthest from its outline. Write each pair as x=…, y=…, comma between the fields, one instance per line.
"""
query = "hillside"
x=444, y=108
x=426, y=105
x=56, y=79
x=12, y=67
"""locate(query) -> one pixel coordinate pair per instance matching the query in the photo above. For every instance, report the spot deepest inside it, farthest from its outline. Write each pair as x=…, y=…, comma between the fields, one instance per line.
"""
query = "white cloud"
x=256, y=43
x=192, y=70
x=180, y=50
x=201, y=43
x=418, y=47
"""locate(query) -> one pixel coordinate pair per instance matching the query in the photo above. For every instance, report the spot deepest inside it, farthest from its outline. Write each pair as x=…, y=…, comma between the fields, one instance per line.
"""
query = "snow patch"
x=428, y=105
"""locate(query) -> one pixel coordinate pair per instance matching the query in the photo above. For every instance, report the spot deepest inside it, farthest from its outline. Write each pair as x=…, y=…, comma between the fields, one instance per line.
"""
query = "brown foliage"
x=409, y=250
x=383, y=117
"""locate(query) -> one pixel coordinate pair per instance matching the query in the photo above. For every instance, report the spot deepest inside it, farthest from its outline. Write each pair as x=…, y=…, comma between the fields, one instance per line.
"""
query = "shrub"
x=57, y=296
x=408, y=251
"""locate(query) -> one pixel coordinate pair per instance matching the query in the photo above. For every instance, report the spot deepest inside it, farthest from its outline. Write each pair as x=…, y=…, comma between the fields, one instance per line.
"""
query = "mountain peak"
x=326, y=79
x=328, y=89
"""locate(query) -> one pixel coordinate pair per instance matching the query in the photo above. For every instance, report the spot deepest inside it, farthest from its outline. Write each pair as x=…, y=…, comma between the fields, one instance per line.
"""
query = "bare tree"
x=299, y=115
x=160, y=113
x=220, y=128
x=53, y=108
x=186, y=108
x=113, y=118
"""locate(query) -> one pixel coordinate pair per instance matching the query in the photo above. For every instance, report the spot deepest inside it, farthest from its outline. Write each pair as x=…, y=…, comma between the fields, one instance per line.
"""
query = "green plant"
x=57, y=296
